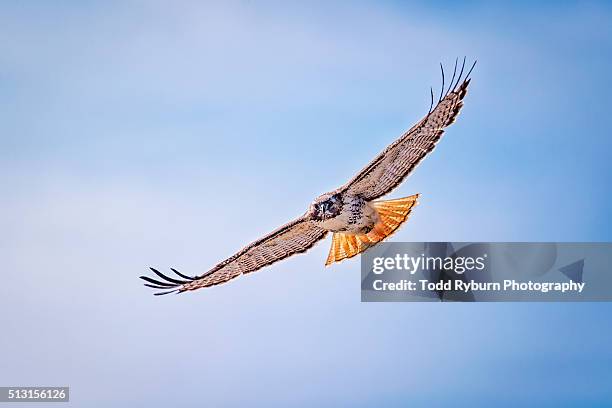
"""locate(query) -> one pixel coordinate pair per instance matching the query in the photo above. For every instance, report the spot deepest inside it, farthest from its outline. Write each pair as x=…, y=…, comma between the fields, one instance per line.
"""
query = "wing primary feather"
x=460, y=74
x=165, y=293
x=155, y=282
x=431, y=104
x=470, y=71
x=183, y=276
x=169, y=279
x=156, y=286
x=453, y=78
x=441, y=90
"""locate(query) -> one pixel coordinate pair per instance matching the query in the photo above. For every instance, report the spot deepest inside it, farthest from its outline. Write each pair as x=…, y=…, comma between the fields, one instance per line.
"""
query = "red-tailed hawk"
x=352, y=212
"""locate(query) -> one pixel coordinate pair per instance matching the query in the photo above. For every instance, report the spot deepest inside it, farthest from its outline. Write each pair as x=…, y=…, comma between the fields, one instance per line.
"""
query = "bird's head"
x=326, y=206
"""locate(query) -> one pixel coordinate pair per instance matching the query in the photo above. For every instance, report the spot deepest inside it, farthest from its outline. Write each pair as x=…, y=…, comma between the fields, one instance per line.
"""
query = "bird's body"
x=354, y=215
x=353, y=212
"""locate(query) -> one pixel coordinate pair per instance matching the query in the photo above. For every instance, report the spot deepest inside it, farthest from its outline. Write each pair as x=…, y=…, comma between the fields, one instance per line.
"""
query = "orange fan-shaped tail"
x=391, y=214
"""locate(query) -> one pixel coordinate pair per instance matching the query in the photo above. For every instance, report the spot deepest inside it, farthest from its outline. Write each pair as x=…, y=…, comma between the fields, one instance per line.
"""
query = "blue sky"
x=136, y=134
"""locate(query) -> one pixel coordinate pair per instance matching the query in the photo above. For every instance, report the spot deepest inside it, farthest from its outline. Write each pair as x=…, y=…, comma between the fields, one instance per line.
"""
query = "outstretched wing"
x=394, y=164
x=292, y=238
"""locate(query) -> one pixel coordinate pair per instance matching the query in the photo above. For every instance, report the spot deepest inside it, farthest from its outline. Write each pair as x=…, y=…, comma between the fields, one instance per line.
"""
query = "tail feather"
x=391, y=214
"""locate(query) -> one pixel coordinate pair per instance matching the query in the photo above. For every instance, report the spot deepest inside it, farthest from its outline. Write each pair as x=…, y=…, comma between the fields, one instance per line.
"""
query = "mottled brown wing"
x=292, y=238
x=396, y=162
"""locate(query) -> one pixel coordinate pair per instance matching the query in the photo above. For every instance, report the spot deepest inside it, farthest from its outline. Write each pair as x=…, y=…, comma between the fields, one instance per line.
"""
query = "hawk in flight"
x=353, y=212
